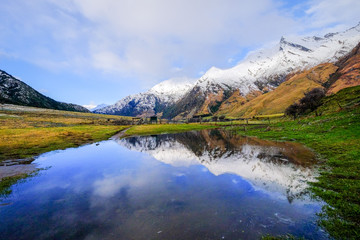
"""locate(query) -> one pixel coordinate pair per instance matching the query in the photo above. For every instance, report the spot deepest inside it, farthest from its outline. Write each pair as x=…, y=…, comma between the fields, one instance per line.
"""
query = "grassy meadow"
x=335, y=136
x=26, y=132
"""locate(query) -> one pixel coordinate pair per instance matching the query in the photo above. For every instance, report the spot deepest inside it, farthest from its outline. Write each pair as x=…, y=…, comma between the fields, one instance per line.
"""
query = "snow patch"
x=290, y=54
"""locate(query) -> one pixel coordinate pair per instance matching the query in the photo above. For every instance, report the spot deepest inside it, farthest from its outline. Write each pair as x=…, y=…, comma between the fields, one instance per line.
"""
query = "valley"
x=280, y=128
x=334, y=136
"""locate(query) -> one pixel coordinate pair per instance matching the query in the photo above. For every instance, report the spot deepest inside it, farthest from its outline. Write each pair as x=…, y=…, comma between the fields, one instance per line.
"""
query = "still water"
x=197, y=185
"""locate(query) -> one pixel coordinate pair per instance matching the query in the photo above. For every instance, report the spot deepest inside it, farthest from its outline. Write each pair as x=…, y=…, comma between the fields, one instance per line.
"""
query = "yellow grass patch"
x=30, y=131
x=276, y=101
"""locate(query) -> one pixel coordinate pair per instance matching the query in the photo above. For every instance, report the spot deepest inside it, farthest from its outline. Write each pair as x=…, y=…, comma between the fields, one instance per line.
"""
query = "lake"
x=208, y=184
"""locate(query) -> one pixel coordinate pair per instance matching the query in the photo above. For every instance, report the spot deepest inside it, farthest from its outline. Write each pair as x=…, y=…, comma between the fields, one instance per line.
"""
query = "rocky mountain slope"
x=331, y=76
x=264, y=70
x=260, y=72
x=154, y=101
x=279, y=99
x=347, y=74
x=100, y=106
x=14, y=91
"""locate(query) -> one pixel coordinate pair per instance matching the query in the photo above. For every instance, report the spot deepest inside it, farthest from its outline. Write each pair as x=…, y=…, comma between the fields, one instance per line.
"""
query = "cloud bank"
x=154, y=40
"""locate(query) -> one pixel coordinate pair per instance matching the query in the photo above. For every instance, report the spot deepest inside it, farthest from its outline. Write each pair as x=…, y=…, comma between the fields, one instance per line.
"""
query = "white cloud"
x=89, y=106
x=322, y=13
x=155, y=40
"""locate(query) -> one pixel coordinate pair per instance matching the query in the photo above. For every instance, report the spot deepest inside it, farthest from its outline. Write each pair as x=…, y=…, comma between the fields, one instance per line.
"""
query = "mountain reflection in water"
x=194, y=185
x=275, y=167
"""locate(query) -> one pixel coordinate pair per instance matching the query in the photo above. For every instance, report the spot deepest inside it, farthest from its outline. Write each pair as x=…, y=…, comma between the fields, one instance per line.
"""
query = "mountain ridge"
x=152, y=102
x=332, y=77
x=347, y=74
x=259, y=72
x=279, y=99
x=14, y=91
x=265, y=69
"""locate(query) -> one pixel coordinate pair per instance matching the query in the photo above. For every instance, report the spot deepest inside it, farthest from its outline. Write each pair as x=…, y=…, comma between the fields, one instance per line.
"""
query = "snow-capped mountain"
x=92, y=107
x=100, y=106
x=268, y=167
x=289, y=55
x=265, y=69
x=173, y=89
x=261, y=71
x=154, y=101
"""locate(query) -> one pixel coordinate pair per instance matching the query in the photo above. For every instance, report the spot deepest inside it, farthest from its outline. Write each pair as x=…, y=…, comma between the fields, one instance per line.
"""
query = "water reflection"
x=276, y=167
x=186, y=186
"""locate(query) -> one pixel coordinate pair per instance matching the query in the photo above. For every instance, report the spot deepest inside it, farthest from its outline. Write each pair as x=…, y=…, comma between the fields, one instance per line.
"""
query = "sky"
x=90, y=52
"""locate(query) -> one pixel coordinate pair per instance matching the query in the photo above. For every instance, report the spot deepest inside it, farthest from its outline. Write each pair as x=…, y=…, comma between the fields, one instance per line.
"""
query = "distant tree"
x=312, y=100
x=309, y=103
x=293, y=110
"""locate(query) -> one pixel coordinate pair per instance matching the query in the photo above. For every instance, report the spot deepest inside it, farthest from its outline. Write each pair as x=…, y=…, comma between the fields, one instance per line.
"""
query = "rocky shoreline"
x=15, y=167
x=12, y=162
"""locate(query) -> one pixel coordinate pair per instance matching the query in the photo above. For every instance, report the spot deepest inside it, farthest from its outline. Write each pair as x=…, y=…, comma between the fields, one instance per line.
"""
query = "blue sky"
x=99, y=51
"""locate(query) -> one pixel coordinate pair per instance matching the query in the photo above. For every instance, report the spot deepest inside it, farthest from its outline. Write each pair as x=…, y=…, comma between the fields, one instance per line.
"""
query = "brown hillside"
x=236, y=99
x=348, y=74
x=279, y=99
x=211, y=100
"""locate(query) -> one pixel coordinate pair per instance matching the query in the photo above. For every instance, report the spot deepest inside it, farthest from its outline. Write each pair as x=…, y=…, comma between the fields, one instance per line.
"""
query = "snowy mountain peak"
x=355, y=28
x=291, y=53
x=261, y=70
x=284, y=44
x=213, y=70
x=175, y=87
x=153, y=101
x=100, y=106
x=209, y=73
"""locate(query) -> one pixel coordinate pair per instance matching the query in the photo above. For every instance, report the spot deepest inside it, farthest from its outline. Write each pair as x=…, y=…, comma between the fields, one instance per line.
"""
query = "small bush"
x=293, y=110
x=312, y=100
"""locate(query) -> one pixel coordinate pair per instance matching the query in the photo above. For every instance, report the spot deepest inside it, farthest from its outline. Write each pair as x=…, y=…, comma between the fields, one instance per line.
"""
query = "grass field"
x=336, y=138
x=26, y=131
x=271, y=116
